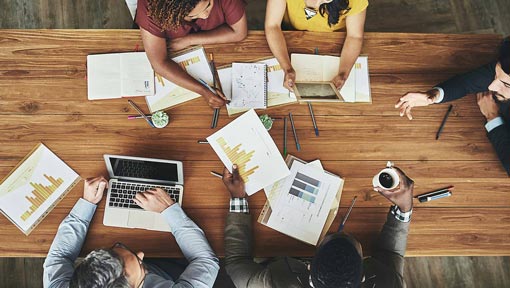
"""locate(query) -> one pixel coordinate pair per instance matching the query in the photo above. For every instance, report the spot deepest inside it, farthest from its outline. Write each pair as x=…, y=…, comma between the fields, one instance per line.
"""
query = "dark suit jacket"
x=384, y=269
x=476, y=81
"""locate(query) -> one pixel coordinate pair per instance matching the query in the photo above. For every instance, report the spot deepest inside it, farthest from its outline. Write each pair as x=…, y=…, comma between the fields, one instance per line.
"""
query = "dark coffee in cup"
x=386, y=180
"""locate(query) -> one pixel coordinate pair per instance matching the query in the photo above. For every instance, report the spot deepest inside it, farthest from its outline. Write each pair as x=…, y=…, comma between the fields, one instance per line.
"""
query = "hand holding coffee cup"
x=394, y=185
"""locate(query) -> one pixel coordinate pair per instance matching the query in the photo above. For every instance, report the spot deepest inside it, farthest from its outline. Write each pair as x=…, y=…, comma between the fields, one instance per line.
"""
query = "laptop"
x=129, y=175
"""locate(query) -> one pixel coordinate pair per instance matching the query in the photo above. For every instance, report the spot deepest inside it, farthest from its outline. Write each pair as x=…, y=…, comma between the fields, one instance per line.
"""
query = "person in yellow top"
x=316, y=15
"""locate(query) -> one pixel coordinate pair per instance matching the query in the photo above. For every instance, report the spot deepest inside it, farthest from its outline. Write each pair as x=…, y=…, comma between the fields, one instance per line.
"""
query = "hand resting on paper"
x=234, y=182
x=290, y=79
x=93, y=189
x=339, y=81
x=402, y=195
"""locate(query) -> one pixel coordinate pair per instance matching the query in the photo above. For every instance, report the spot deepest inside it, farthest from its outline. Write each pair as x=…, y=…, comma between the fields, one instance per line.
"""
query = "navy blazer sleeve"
x=474, y=81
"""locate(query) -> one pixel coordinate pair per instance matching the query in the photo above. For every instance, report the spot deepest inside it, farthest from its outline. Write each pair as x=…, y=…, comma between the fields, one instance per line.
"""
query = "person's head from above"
x=338, y=262
x=333, y=8
x=117, y=267
x=501, y=84
x=172, y=14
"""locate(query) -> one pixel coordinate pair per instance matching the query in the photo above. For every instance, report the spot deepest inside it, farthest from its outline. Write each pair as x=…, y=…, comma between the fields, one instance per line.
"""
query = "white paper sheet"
x=247, y=143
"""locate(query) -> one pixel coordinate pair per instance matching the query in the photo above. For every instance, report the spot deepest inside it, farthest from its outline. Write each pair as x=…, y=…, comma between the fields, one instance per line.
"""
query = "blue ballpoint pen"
x=347, y=214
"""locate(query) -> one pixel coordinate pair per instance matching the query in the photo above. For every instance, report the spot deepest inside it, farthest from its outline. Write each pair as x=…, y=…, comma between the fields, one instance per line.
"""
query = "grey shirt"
x=203, y=264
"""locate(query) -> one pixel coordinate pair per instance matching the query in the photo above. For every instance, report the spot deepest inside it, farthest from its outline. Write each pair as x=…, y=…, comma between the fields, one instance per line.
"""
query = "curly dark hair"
x=335, y=9
x=336, y=264
x=504, y=55
x=169, y=14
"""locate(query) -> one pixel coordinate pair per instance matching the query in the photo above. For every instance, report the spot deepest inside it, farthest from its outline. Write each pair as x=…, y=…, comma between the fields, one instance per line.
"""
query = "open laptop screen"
x=144, y=169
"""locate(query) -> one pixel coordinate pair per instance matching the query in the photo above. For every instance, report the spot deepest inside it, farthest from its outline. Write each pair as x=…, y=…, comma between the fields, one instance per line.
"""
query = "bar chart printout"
x=41, y=194
x=246, y=143
x=240, y=157
x=34, y=186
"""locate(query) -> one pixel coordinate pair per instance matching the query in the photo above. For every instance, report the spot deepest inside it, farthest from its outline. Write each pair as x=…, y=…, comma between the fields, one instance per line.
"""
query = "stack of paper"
x=304, y=204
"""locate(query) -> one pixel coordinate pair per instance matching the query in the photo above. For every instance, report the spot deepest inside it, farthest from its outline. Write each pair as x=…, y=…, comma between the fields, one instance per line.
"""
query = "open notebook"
x=119, y=75
x=277, y=94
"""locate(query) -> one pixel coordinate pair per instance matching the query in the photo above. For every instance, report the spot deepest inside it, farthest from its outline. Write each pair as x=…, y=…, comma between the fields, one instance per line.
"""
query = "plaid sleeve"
x=239, y=205
x=401, y=216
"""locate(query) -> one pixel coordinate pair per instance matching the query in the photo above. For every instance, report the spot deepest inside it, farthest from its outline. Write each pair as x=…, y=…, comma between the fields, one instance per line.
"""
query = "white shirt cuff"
x=498, y=121
x=441, y=94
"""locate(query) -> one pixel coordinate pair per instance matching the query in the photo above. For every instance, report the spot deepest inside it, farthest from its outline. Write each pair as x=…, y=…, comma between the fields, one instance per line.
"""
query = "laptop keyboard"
x=122, y=193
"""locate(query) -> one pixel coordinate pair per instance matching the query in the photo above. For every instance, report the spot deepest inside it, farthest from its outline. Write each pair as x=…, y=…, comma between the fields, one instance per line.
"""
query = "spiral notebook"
x=249, y=85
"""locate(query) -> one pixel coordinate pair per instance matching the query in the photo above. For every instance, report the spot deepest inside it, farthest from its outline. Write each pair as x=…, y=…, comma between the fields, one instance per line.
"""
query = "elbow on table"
x=240, y=35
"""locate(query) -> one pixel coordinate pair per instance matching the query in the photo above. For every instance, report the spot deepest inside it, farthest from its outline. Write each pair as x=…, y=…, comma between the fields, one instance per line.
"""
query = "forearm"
x=349, y=55
x=278, y=46
x=203, y=263
x=59, y=264
x=221, y=34
x=392, y=242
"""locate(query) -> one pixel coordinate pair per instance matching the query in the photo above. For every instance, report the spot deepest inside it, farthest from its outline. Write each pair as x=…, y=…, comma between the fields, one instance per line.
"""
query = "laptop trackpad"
x=141, y=219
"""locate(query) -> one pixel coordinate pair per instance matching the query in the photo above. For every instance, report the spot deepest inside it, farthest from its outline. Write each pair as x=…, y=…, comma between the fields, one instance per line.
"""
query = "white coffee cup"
x=387, y=179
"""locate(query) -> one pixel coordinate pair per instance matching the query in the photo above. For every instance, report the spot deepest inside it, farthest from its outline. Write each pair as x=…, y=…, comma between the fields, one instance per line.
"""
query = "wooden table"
x=43, y=97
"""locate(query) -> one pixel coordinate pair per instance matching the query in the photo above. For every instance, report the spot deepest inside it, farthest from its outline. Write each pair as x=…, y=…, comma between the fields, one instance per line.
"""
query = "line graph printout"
x=34, y=186
x=249, y=88
x=247, y=143
x=302, y=210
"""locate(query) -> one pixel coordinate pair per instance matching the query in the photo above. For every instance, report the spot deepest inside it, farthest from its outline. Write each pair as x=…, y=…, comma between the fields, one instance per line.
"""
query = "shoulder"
x=357, y=6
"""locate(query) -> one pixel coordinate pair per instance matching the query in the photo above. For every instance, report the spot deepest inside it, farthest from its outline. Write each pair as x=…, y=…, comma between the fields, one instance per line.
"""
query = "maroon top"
x=223, y=11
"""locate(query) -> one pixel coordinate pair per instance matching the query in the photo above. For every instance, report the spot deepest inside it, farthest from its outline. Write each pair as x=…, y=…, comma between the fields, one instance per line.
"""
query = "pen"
x=216, y=112
x=444, y=121
x=436, y=191
x=216, y=174
x=131, y=117
x=313, y=119
x=298, y=147
x=141, y=113
x=284, y=136
x=202, y=142
x=347, y=214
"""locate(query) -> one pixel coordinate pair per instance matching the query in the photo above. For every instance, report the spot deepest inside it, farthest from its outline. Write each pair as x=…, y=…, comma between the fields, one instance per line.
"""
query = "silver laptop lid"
x=144, y=169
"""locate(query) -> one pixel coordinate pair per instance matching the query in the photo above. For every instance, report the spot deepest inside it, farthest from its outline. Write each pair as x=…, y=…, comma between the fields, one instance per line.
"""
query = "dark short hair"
x=504, y=55
x=334, y=9
x=336, y=264
x=100, y=268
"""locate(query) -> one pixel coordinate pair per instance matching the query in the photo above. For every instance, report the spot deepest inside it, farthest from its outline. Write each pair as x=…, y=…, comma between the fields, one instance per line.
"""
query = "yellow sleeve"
x=357, y=6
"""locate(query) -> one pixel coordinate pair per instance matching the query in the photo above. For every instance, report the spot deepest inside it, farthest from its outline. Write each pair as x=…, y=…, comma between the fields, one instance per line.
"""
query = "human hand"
x=155, y=200
x=402, y=196
x=487, y=105
x=415, y=99
x=94, y=188
x=339, y=81
x=215, y=100
x=290, y=79
x=234, y=182
x=180, y=43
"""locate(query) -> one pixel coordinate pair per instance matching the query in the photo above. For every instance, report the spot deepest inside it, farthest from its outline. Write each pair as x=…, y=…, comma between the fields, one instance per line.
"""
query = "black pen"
x=298, y=147
x=444, y=121
x=436, y=192
x=313, y=119
x=284, y=136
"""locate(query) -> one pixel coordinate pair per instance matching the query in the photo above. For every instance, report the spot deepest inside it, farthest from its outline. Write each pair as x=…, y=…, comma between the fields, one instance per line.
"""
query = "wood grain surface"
x=43, y=98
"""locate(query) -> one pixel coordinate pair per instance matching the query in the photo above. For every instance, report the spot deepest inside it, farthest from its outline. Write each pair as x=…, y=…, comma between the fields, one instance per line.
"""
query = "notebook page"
x=249, y=85
x=137, y=76
x=103, y=76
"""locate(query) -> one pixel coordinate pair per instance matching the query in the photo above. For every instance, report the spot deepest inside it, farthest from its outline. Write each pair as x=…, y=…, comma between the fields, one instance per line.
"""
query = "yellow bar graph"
x=40, y=194
x=238, y=156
